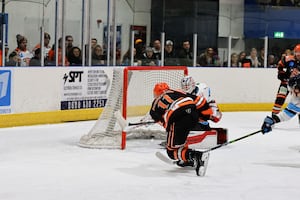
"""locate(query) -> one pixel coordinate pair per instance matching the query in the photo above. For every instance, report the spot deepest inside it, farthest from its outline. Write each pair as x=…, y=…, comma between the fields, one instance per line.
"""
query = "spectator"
x=69, y=44
x=185, y=54
x=52, y=55
x=254, y=59
x=170, y=56
x=148, y=58
x=287, y=52
x=94, y=42
x=22, y=51
x=140, y=48
x=98, y=58
x=243, y=61
x=75, y=56
x=261, y=57
x=209, y=58
x=36, y=59
x=272, y=63
x=157, y=49
x=234, y=61
x=46, y=48
x=127, y=58
x=13, y=59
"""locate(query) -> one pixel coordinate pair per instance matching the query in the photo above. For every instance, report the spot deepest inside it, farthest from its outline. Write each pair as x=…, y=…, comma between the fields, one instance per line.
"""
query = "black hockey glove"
x=283, y=76
x=267, y=125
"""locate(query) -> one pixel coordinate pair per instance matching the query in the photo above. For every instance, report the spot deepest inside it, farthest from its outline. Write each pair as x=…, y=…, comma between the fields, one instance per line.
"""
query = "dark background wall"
x=181, y=19
x=263, y=19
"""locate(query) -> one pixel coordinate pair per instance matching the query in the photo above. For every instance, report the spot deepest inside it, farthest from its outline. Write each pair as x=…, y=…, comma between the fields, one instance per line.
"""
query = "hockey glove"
x=217, y=115
x=267, y=125
x=203, y=125
x=283, y=76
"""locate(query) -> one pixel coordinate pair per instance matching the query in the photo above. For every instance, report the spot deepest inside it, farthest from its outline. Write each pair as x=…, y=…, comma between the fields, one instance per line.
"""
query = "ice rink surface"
x=44, y=163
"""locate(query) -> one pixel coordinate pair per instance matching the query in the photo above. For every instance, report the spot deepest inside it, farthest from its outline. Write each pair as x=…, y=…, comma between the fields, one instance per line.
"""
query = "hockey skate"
x=200, y=162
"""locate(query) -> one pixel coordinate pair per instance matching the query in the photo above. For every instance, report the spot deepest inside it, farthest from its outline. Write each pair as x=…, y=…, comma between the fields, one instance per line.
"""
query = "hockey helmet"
x=188, y=84
x=160, y=88
x=297, y=49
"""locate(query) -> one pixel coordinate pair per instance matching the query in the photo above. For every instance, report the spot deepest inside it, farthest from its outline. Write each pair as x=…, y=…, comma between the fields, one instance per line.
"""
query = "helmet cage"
x=188, y=84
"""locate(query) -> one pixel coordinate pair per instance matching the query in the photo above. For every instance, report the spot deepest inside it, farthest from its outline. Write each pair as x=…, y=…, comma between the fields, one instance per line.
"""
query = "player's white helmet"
x=188, y=84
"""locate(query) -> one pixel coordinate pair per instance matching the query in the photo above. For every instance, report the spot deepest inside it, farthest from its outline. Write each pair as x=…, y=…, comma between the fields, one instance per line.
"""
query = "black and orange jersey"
x=173, y=103
x=285, y=66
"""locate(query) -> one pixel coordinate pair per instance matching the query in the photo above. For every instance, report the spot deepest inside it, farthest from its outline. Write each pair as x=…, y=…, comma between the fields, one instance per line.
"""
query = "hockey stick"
x=123, y=122
x=141, y=123
x=232, y=141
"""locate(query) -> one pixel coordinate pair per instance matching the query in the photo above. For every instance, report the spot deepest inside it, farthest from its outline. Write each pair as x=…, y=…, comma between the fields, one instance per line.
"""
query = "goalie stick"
x=123, y=122
x=141, y=123
x=232, y=141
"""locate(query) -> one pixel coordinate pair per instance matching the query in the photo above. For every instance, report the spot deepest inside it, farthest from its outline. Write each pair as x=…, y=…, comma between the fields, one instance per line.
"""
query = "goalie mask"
x=188, y=84
x=160, y=88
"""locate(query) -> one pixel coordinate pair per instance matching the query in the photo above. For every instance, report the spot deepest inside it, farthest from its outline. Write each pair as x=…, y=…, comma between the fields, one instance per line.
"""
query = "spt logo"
x=73, y=76
x=5, y=87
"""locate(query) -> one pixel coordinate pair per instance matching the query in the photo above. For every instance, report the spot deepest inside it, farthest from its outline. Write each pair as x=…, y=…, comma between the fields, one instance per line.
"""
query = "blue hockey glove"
x=267, y=125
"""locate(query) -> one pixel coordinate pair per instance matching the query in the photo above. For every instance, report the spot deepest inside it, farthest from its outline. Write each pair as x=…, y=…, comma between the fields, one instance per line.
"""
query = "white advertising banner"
x=84, y=88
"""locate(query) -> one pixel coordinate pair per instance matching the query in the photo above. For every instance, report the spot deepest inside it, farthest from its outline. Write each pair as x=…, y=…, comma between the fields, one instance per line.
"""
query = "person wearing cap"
x=22, y=50
x=140, y=48
x=170, y=55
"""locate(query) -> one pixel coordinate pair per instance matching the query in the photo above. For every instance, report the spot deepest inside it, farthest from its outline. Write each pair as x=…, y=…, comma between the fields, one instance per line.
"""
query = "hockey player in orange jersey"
x=285, y=66
x=178, y=113
x=293, y=107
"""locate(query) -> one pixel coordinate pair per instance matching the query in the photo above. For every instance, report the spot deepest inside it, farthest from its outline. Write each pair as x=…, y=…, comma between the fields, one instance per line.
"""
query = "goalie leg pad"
x=202, y=139
x=222, y=136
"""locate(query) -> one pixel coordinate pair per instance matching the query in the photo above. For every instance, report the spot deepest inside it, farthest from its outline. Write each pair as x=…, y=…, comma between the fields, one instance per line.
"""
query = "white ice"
x=44, y=163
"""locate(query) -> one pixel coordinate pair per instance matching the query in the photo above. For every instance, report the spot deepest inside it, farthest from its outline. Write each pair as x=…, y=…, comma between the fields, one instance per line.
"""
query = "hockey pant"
x=280, y=97
x=178, y=131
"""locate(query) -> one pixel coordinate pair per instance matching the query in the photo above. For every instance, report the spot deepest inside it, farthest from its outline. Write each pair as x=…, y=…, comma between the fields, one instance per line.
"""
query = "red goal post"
x=131, y=93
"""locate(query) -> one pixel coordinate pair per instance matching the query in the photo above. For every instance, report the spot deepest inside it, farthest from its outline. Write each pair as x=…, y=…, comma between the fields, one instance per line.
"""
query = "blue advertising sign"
x=5, y=91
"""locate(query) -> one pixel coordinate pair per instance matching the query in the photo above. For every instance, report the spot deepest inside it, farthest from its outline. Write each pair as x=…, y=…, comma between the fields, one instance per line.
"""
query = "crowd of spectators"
x=22, y=56
x=180, y=55
x=151, y=56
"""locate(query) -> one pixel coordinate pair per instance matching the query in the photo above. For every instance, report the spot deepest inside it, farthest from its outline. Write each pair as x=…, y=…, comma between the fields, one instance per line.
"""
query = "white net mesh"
x=102, y=135
x=106, y=133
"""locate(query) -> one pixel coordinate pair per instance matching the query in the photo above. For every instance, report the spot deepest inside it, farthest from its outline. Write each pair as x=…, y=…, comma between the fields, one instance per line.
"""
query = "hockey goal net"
x=131, y=94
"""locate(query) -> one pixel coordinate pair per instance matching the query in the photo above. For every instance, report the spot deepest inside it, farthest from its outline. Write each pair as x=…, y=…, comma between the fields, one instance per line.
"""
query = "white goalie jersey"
x=203, y=90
